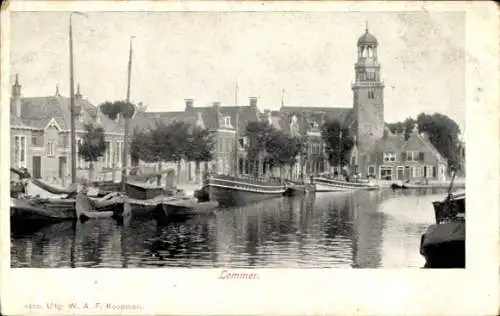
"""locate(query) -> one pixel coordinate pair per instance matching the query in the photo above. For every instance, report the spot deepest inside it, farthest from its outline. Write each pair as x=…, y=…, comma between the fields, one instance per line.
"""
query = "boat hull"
x=443, y=245
x=24, y=210
x=333, y=185
x=139, y=208
x=227, y=196
x=185, y=207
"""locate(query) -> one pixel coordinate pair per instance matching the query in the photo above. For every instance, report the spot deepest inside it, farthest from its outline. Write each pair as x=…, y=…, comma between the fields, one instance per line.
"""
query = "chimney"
x=253, y=102
x=189, y=104
x=16, y=98
x=216, y=106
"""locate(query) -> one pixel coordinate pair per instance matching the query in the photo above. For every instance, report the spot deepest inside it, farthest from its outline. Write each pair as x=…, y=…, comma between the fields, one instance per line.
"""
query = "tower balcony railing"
x=367, y=83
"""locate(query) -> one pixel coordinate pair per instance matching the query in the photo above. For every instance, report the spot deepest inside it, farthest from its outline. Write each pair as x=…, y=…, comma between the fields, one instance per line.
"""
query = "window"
x=386, y=173
x=227, y=120
x=417, y=172
x=51, y=149
x=119, y=146
x=389, y=157
x=414, y=156
x=20, y=151
x=371, y=95
x=106, y=155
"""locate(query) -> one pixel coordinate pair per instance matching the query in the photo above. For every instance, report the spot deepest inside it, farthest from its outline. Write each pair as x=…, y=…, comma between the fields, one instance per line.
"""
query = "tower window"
x=371, y=95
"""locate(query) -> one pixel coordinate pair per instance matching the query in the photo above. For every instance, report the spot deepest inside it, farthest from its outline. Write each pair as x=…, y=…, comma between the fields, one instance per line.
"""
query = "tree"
x=93, y=146
x=443, y=134
x=173, y=142
x=117, y=108
x=200, y=147
x=338, y=142
x=258, y=134
x=396, y=128
x=405, y=127
x=126, y=110
x=270, y=146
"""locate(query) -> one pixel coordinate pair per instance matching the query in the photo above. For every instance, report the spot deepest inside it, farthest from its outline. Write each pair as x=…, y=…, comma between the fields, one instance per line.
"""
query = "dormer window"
x=389, y=157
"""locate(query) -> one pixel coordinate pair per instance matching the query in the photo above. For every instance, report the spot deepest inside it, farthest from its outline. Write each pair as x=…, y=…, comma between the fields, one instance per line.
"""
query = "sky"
x=204, y=55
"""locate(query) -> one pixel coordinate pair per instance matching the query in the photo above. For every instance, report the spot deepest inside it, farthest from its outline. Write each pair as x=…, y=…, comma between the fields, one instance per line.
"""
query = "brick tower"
x=368, y=94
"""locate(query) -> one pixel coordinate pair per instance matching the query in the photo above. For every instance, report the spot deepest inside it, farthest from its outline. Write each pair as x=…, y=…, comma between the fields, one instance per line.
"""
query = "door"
x=37, y=167
x=62, y=167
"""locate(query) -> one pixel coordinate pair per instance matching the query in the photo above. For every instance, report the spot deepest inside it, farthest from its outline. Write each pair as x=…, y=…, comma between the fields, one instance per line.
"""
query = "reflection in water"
x=365, y=229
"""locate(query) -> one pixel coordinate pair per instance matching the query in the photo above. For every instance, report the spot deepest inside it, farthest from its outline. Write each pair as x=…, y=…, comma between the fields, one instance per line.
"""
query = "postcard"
x=244, y=157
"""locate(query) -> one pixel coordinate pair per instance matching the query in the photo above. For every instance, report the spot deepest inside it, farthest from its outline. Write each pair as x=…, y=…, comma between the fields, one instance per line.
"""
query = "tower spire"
x=17, y=80
x=366, y=26
x=57, y=90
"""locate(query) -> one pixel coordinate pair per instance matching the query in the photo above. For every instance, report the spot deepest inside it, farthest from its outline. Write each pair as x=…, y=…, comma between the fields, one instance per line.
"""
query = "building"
x=221, y=121
x=40, y=136
x=395, y=158
x=376, y=152
x=365, y=119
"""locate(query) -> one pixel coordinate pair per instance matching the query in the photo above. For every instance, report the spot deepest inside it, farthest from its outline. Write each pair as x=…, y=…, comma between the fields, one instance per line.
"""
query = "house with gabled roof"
x=40, y=135
x=394, y=158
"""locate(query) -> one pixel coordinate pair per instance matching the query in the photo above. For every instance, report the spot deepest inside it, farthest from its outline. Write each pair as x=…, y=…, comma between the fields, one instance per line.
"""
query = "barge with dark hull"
x=236, y=191
x=443, y=244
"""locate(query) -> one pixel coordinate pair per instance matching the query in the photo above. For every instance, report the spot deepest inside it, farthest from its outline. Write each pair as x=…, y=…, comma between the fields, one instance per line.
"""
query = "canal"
x=364, y=229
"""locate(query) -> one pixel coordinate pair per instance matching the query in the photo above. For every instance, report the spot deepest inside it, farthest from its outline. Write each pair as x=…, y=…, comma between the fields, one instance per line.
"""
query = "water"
x=365, y=229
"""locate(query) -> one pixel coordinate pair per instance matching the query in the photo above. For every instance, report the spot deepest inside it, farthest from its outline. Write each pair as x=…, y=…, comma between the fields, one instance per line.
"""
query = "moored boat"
x=443, y=244
x=185, y=207
x=145, y=208
x=24, y=210
x=396, y=186
x=324, y=184
x=232, y=191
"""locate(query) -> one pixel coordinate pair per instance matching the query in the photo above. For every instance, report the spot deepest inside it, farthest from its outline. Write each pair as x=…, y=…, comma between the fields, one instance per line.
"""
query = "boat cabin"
x=451, y=209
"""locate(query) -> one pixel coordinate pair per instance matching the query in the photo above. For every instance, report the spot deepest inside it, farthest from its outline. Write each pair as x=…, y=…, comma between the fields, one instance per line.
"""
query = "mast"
x=237, y=137
x=127, y=123
x=72, y=99
x=72, y=103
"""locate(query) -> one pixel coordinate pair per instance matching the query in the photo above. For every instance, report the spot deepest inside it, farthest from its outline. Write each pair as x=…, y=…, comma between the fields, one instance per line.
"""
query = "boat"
x=144, y=208
x=396, y=186
x=443, y=243
x=431, y=185
x=106, y=207
x=240, y=190
x=327, y=184
x=24, y=210
x=188, y=206
x=143, y=191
